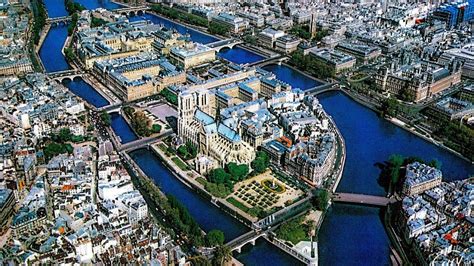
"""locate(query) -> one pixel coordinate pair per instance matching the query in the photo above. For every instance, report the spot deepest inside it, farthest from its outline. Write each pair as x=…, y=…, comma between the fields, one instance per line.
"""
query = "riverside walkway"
x=362, y=199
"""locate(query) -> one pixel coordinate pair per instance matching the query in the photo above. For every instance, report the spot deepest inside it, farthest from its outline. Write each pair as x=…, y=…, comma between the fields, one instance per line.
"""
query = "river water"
x=350, y=235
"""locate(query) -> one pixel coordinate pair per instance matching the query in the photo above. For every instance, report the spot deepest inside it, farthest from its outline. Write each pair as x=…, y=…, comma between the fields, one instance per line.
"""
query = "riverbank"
x=184, y=24
x=189, y=179
x=413, y=130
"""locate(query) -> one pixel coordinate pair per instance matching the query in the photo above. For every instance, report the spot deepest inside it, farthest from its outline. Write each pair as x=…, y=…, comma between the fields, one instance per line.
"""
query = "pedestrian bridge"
x=249, y=237
x=362, y=199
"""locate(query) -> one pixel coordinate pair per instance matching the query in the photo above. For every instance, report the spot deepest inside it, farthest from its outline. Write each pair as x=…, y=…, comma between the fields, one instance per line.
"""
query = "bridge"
x=132, y=11
x=221, y=44
x=64, y=19
x=65, y=74
x=144, y=142
x=269, y=61
x=362, y=199
x=112, y=108
x=250, y=237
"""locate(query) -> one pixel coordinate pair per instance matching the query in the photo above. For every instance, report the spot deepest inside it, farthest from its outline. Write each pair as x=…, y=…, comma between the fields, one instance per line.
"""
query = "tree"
x=97, y=22
x=390, y=107
x=215, y=238
x=69, y=52
x=237, y=172
x=218, y=28
x=156, y=128
x=436, y=164
x=141, y=123
x=257, y=212
x=315, y=67
x=187, y=151
x=183, y=151
x=65, y=134
x=321, y=199
x=261, y=162
x=250, y=39
x=106, y=119
x=199, y=261
x=218, y=176
x=222, y=254
x=169, y=96
x=395, y=161
x=54, y=148
x=301, y=31
x=320, y=34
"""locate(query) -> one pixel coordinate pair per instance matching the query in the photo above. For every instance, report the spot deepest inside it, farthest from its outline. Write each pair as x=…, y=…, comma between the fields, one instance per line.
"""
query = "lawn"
x=163, y=147
x=180, y=164
x=237, y=204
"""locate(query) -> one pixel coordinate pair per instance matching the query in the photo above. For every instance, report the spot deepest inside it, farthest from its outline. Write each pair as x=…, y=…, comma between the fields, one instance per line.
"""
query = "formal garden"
x=263, y=194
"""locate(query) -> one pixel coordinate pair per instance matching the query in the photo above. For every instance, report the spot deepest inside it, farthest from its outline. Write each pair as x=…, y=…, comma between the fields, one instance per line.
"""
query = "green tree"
x=396, y=162
x=97, y=22
x=218, y=28
x=436, y=164
x=390, y=107
x=199, y=261
x=69, y=52
x=222, y=254
x=155, y=128
x=215, y=238
x=250, y=39
x=169, y=96
x=320, y=34
x=141, y=123
x=261, y=162
x=313, y=66
x=301, y=31
x=105, y=117
x=54, y=148
x=187, y=151
x=219, y=176
x=65, y=134
x=237, y=172
x=183, y=151
x=39, y=13
x=321, y=199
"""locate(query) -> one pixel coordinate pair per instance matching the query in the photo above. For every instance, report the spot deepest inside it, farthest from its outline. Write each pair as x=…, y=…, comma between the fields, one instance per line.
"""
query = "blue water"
x=82, y=89
x=50, y=51
x=294, y=78
x=370, y=140
x=353, y=235
x=206, y=214
x=265, y=253
x=55, y=8
x=350, y=233
x=93, y=4
x=236, y=55
x=122, y=128
x=239, y=55
x=196, y=36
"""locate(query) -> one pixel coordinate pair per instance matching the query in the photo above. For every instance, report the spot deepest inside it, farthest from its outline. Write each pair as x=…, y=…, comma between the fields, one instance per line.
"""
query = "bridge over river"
x=362, y=199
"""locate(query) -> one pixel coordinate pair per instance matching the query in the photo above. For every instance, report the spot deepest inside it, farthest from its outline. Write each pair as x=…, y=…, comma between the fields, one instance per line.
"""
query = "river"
x=51, y=50
x=349, y=233
x=122, y=129
x=82, y=89
x=207, y=215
